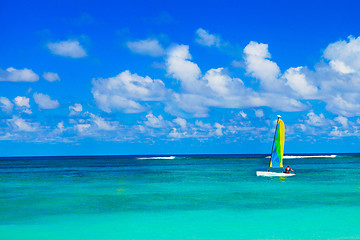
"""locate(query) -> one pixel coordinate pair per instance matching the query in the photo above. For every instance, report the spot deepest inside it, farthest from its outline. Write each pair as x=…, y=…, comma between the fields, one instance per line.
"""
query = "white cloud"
x=156, y=122
x=22, y=101
x=339, y=79
x=150, y=47
x=180, y=68
x=203, y=125
x=201, y=130
x=298, y=82
x=259, y=113
x=203, y=37
x=181, y=122
x=51, y=77
x=82, y=128
x=343, y=121
x=174, y=133
x=347, y=107
x=243, y=114
x=316, y=120
x=102, y=124
x=18, y=75
x=340, y=67
x=22, y=104
x=60, y=127
x=337, y=132
x=44, y=101
x=69, y=48
x=259, y=66
x=6, y=105
x=77, y=108
x=8, y=136
x=344, y=55
x=217, y=89
x=217, y=81
x=20, y=124
x=194, y=104
x=122, y=92
x=219, y=128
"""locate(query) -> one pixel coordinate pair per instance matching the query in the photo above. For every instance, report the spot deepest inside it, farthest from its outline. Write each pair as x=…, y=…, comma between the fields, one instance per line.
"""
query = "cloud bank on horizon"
x=177, y=95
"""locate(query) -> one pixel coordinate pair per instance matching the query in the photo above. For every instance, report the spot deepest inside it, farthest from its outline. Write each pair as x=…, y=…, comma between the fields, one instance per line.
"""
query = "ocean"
x=179, y=197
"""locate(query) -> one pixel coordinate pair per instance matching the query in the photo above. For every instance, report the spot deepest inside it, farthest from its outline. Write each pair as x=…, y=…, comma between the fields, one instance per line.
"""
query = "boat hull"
x=273, y=174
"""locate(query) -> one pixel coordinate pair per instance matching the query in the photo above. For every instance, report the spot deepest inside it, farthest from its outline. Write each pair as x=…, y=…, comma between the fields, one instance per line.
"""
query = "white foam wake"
x=171, y=157
x=310, y=156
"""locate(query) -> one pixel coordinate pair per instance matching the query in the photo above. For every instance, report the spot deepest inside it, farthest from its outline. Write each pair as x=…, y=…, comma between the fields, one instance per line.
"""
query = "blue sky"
x=140, y=77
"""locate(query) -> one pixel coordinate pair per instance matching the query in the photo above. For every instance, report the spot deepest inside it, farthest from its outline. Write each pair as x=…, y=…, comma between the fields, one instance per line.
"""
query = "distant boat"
x=277, y=152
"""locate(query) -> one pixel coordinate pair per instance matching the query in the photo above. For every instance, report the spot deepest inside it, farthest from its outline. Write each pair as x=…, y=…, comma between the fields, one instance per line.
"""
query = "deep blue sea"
x=179, y=197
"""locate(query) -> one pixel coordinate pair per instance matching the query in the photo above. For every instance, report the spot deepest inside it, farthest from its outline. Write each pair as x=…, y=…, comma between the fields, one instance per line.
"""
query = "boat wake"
x=168, y=158
x=309, y=156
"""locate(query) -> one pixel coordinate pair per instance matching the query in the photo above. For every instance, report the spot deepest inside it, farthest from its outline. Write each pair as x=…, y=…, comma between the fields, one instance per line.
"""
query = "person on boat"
x=288, y=170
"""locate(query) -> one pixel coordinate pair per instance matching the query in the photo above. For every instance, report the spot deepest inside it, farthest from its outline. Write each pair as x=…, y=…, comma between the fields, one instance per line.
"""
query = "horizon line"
x=177, y=154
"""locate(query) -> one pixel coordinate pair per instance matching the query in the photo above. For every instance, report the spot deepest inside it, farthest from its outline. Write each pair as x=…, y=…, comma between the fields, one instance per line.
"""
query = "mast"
x=277, y=123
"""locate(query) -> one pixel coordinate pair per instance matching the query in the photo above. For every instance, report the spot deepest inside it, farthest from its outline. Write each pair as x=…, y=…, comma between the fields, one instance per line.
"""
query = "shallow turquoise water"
x=189, y=197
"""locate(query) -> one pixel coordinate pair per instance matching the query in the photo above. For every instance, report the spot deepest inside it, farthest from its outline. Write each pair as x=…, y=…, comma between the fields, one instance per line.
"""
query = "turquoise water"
x=188, y=197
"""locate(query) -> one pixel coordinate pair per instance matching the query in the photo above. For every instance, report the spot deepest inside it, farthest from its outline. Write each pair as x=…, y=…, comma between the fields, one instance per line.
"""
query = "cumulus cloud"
x=316, y=120
x=156, y=122
x=342, y=120
x=51, y=77
x=259, y=66
x=344, y=55
x=6, y=105
x=102, y=124
x=193, y=104
x=340, y=67
x=219, y=128
x=217, y=89
x=201, y=130
x=346, y=107
x=179, y=67
x=19, y=124
x=18, y=75
x=339, y=78
x=124, y=92
x=77, y=108
x=45, y=102
x=60, y=127
x=23, y=104
x=297, y=81
x=335, y=81
x=22, y=101
x=218, y=81
x=82, y=128
x=203, y=37
x=181, y=122
x=69, y=48
x=150, y=47
x=336, y=132
x=215, y=82
x=90, y=125
x=175, y=133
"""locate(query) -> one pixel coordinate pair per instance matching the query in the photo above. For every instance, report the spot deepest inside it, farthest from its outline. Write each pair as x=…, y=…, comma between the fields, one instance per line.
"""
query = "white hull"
x=273, y=174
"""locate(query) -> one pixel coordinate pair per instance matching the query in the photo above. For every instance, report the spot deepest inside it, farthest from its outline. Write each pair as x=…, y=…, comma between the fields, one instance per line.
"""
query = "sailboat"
x=277, y=152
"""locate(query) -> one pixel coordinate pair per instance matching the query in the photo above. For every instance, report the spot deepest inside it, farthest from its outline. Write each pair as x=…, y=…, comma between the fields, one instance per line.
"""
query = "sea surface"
x=179, y=197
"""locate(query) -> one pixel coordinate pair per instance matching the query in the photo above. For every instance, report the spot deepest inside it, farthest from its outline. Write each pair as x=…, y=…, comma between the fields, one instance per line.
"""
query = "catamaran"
x=277, y=152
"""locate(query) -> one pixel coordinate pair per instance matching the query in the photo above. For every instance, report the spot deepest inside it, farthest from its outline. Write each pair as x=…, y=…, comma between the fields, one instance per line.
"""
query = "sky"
x=178, y=77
